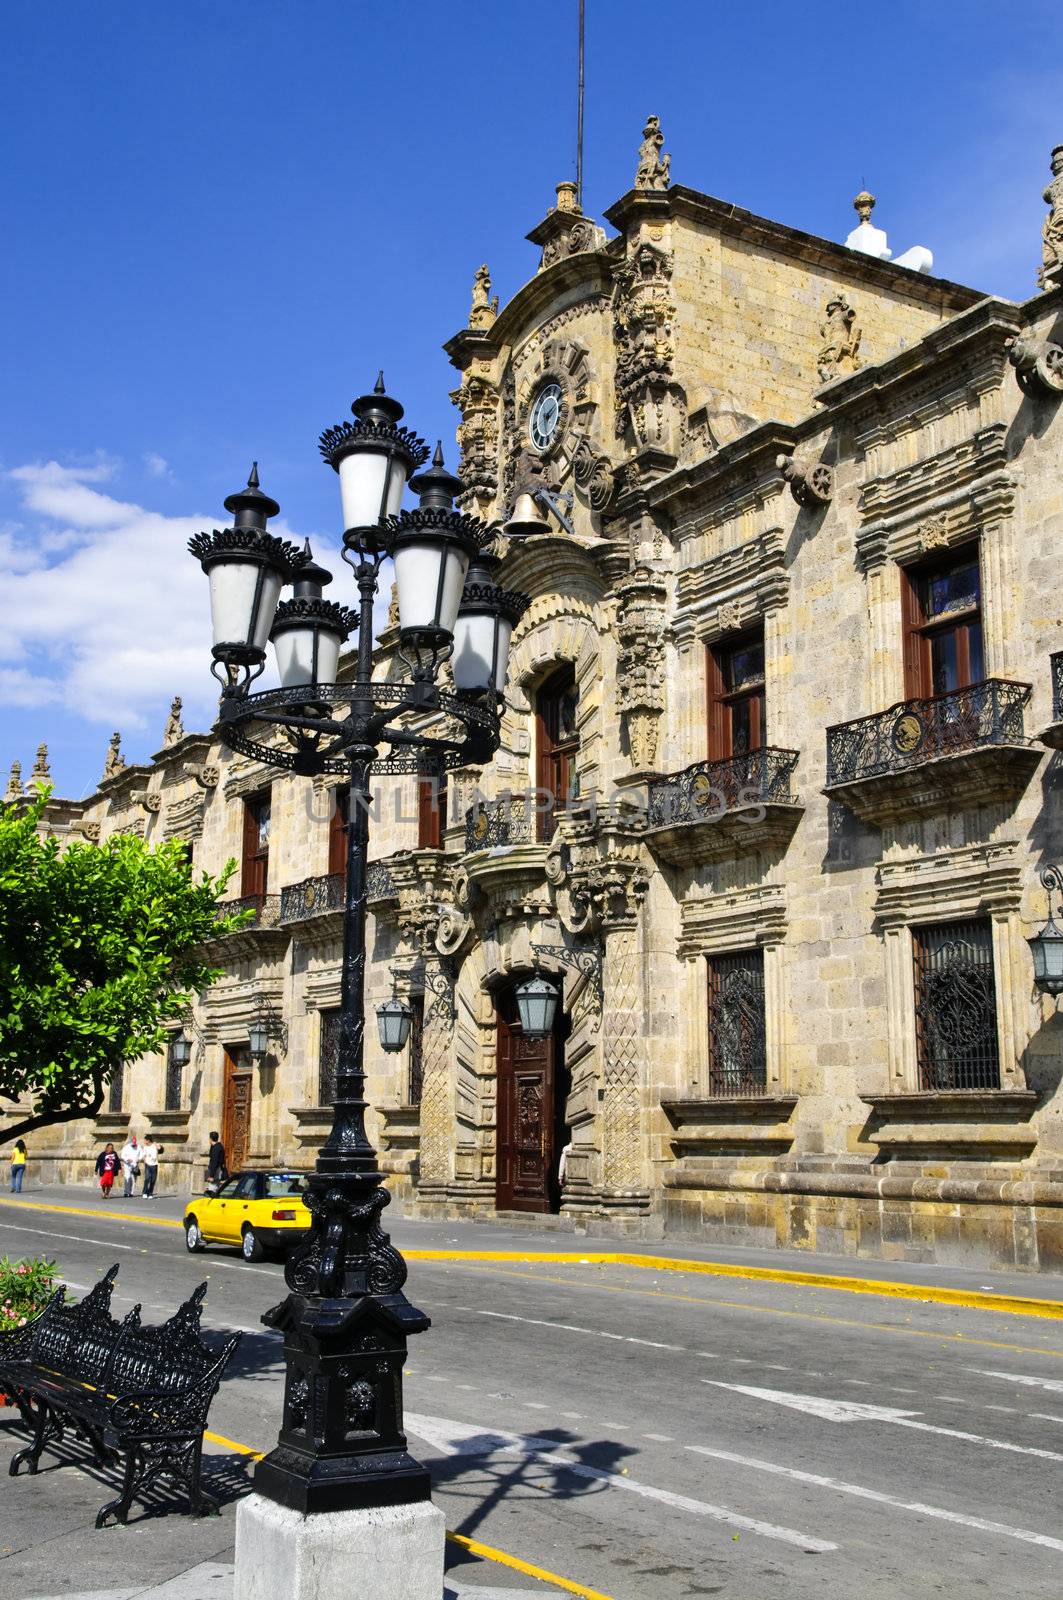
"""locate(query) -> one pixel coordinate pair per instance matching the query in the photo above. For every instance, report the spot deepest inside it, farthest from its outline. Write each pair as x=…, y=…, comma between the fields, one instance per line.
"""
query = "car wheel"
x=249, y=1245
x=194, y=1240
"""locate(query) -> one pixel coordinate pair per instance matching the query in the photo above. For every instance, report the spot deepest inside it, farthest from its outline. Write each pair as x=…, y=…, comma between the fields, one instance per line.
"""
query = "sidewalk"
x=489, y=1236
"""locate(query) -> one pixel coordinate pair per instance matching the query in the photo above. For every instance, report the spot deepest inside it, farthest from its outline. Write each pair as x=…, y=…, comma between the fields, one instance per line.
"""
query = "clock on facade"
x=545, y=417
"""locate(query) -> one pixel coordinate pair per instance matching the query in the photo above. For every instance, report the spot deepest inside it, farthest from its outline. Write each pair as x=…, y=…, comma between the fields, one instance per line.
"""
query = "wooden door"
x=236, y=1107
x=527, y=1150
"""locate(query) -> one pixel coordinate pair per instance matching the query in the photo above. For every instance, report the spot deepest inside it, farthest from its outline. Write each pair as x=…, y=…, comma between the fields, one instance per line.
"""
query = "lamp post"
x=346, y=1320
x=1046, y=947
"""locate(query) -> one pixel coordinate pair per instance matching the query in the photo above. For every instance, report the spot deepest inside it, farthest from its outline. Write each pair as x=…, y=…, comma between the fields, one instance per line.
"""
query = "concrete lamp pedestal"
x=394, y=1552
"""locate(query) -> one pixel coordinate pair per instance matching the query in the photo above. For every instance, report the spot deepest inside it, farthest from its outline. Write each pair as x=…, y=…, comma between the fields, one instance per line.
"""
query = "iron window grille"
x=328, y=1057
x=174, y=1079
x=1057, y=686
x=116, y=1090
x=738, y=1057
x=507, y=820
x=416, y=1081
x=955, y=1007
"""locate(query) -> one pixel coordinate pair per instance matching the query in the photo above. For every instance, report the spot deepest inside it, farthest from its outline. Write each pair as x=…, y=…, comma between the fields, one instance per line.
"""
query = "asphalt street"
x=642, y=1434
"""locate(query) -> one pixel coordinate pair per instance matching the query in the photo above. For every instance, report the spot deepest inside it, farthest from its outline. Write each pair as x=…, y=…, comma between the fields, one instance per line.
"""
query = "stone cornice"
x=191, y=747
x=713, y=923
x=742, y=583
x=950, y=884
x=852, y=266
x=742, y=471
x=590, y=271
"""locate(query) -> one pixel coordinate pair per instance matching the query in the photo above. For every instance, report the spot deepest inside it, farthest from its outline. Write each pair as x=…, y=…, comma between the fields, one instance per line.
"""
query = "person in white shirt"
x=149, y=1155
x=129, y=1156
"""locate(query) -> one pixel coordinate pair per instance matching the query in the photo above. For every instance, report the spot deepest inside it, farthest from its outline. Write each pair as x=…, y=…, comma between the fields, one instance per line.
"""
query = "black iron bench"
x=140, y=1394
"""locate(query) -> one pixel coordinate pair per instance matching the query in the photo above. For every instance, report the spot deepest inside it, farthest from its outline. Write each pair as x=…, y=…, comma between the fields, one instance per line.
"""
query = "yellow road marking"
x=931, y=1294
x=487, y=1551
x=771, y=1311
x=491, y=1554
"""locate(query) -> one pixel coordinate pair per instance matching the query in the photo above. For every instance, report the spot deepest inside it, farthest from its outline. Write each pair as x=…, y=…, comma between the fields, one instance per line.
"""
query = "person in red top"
x=107, y=1165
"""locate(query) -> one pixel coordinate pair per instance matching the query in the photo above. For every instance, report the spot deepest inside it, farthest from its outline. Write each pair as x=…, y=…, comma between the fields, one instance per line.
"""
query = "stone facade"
x=755, y=438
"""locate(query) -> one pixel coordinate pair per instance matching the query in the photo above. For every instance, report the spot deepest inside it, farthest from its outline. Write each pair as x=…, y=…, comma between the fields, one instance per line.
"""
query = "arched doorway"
x=533, y=1085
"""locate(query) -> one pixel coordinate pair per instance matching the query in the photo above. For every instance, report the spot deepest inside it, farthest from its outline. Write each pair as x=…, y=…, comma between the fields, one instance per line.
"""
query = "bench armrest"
x=176, y=1410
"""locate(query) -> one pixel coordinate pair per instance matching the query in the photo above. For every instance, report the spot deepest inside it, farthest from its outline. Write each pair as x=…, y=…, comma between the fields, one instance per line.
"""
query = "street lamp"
x=393, y=1019
x=180, y=1049
x=537, y=1004
x=1046, y=947
x=345, y=1319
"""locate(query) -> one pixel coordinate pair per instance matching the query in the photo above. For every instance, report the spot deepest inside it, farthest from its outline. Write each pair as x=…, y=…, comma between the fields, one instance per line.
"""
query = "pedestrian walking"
x=18, y=1166
x=149, y=1154
x=130, y=1159
x=217, y=1171
x=107, y=1164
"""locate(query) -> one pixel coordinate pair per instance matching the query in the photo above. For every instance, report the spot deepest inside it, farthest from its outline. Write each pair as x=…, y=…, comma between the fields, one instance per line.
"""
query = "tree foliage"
x=100, y=947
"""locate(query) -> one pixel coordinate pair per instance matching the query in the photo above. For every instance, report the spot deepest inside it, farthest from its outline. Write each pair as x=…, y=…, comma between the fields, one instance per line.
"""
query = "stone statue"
x=174, y=726
x=14, y=782
x=841, y=339
x=654, y=168
x=484, y=308
x=40, y=773
x=115, y=760
x=1051, y=272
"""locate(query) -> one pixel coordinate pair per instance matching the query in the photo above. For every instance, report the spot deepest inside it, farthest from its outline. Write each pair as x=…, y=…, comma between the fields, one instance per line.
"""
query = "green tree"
x=100, y=947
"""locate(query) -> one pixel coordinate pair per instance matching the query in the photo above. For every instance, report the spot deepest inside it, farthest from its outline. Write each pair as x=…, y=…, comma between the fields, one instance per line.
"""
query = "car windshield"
x=280, y=1184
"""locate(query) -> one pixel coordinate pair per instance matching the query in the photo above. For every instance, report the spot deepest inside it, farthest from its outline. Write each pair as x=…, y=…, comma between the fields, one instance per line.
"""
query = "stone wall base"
x=1002, y=1232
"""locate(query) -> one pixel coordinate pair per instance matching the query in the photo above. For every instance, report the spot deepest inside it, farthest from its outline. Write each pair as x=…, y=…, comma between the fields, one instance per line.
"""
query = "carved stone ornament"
x=174, y=726
x=14, y=782
x=650, y=406
x=841, y=339
x=91, y=831
x=641, y=665
x=810, y=484
x=593, y=473
x=484, y=307
x=40, y=773
x=114, y=761
x=1051, y=272
x=654, y=169
x=1038, y=365
x=477, y=437
x=729, y=617
x=149, y=800
x=933, y=531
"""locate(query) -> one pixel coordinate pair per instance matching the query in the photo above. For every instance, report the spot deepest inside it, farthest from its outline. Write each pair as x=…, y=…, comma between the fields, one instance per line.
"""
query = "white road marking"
x=1013, y=1411
x=1026, y=1535
x=660, y=1438
x=460, y=1439
x=573, y=1416
x=78, y=1238
x=571, y=1327
x=1055, y=1385
x=856, y=1411
x=1044, y=1416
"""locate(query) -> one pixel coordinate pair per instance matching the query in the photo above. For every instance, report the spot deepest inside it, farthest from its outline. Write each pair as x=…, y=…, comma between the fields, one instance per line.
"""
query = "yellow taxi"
x=258, y=1211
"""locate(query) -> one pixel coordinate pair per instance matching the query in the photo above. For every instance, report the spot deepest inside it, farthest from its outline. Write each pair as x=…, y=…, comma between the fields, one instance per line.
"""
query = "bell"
x=527, y=518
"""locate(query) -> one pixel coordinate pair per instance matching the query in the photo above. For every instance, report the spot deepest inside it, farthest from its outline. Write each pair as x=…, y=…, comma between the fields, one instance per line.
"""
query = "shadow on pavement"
x=527, y=1477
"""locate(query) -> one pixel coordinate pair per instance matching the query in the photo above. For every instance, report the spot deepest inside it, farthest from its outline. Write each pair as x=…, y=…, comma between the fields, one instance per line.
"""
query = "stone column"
x=437, y=1088
x=625, y=1076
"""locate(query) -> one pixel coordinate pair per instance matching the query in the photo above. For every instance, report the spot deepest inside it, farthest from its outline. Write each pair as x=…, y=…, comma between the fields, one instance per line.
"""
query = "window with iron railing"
x=737, y=721
x=737, y=1040
x=416, y=1081
x=115, y=1090
x=955, y=1006
x=328, y=1056
x=174, y=1079
x=557, y=746
x=432, y=796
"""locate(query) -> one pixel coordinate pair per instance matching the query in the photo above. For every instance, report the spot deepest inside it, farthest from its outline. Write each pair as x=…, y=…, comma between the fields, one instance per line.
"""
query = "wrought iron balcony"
x=508, y=820
x=1053, y=734
x=379, y=883
x=267, y=909
x=312, y=898
x=968, y=745
x=712, y=807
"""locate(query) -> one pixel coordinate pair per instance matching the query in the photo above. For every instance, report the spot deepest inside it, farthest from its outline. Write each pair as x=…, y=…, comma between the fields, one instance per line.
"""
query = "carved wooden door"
x=526, y=1158
x=236, y=1107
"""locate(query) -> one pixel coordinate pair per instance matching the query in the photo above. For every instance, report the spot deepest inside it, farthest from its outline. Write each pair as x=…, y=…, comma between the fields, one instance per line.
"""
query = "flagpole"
x=579, y=111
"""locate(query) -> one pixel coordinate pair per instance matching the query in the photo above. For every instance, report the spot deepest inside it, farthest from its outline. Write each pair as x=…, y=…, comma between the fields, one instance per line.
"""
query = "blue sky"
x=221, y=219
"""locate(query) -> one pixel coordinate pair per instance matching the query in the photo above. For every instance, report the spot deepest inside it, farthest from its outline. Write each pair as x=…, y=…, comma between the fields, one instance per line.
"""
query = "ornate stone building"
x=776, y=782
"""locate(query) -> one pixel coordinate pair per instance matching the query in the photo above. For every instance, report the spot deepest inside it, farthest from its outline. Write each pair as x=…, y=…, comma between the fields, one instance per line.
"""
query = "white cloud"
x=105, y=611
x=157, y=465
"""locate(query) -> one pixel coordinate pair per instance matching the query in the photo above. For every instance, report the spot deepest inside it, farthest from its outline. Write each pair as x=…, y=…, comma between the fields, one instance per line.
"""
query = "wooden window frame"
x=555, y=759
x=722, y=701
x=254, y=865
x=919, y=630
x=339, y=817
x=432, y=800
